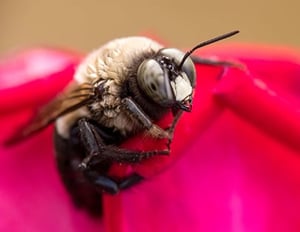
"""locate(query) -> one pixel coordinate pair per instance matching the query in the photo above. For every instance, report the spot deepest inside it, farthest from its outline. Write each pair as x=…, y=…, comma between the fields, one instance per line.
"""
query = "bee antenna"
x=202, y=44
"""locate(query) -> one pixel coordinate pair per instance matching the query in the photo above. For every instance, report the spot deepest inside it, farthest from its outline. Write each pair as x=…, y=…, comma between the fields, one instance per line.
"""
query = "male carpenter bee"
x=119, y=90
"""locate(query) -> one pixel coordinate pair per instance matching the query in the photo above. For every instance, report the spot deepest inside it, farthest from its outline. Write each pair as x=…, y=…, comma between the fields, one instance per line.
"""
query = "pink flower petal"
x=234, y=164
x=32, y=197
x=30, y=78
x=263, y=107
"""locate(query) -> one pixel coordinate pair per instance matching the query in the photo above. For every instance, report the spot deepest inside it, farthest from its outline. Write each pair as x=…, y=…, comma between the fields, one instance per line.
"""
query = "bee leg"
x=101, y=155
x=125, y=182
x=102, y=182
x=177, y=115
x=100, y=152
x=94, y=146
x=134, y=110
x=130, y=180
x=83, y=193
x=108, y=185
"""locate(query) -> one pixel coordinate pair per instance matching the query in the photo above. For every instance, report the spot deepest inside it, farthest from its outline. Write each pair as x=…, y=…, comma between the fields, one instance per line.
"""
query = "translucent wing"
x=74, y=98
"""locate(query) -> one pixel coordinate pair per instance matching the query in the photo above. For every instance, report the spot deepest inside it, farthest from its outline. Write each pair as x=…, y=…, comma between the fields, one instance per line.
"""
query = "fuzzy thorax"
x=109, y=67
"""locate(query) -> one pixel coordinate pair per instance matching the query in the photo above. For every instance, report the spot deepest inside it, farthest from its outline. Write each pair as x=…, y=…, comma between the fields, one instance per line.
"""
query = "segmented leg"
x=100, y=154
x=171, y=129
x=136, y=112
x=84, y=195
x=112, y=186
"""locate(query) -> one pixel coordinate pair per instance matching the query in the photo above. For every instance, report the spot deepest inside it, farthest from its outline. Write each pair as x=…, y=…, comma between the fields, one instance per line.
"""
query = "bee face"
x=165, y=82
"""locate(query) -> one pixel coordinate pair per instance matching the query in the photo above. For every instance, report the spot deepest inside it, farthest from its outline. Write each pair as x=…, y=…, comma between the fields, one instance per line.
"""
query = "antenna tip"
x=234, y=32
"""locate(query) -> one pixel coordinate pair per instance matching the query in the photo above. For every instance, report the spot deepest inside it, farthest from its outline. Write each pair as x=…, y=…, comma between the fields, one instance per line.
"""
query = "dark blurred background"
x=84, y=25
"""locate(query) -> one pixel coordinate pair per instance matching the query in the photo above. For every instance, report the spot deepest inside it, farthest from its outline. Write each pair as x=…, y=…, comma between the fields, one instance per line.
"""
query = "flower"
x=234, y=164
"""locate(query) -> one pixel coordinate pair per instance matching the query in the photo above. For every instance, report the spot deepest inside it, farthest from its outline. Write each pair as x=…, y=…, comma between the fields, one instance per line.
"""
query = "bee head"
x=165, y=82
x=169, y=77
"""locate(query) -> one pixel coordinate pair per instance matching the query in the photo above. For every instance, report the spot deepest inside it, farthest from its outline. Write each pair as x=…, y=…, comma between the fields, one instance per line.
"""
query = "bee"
x=119, y=90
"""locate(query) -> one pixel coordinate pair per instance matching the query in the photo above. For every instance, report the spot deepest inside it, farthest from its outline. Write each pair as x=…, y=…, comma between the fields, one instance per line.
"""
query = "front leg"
x=137, y=113
x=177, y=115
x=154, y=130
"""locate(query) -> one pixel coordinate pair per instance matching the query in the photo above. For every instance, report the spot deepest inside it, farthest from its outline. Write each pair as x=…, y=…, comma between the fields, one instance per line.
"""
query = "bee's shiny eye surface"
x=155, y=82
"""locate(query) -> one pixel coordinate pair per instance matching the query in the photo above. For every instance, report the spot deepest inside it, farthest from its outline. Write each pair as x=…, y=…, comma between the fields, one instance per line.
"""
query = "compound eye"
x=155, y=82
x=188, y=66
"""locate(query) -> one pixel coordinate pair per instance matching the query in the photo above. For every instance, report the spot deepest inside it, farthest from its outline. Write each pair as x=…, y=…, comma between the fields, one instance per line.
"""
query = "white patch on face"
x=182, y=87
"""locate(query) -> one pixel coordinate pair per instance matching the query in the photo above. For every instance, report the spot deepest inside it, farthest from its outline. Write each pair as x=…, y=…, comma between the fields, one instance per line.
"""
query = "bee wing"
x=60, y=106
